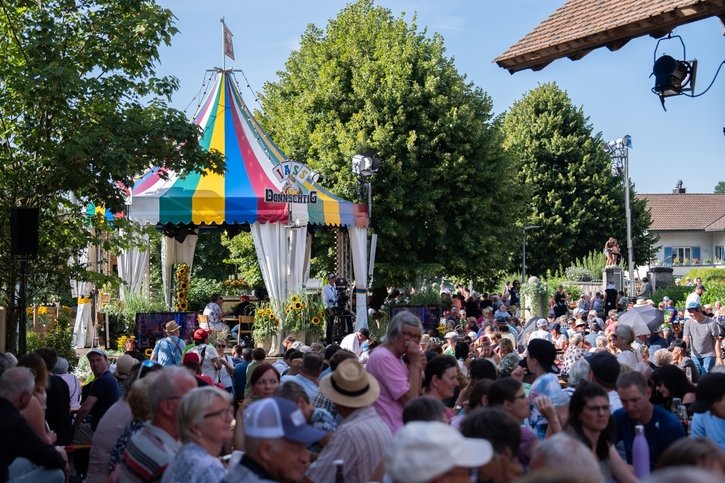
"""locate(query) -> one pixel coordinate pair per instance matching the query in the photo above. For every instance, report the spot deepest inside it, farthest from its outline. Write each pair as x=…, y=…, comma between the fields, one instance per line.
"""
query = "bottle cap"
x=639, y=429
x=338, y=462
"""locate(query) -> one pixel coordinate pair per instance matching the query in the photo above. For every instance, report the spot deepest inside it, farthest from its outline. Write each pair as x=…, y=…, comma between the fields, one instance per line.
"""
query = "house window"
x=682, y=253
x=719, y=252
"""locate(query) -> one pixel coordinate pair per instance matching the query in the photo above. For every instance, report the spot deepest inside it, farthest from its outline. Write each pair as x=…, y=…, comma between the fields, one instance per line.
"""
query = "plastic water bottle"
x=339, y=476
x=640, y=453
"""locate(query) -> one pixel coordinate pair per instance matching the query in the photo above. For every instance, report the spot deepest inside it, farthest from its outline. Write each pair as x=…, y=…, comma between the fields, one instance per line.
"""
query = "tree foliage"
x=81, y=114
x=372, y=82
x=571, y=192
x=719, y=187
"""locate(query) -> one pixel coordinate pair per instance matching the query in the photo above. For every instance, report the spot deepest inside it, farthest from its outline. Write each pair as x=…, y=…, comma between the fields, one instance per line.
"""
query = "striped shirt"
x=361, y=441
x=147, y=455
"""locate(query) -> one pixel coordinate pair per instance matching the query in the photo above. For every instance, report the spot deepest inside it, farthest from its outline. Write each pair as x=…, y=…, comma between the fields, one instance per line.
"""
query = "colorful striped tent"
x=260, y=184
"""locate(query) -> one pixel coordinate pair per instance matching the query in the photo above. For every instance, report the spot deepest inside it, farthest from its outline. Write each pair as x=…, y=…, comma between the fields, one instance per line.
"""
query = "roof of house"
x=686, y=211
x=580, y=26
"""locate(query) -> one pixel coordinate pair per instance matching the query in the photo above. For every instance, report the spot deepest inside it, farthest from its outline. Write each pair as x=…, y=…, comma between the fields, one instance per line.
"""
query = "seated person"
x=213, y=312
x=103, y=392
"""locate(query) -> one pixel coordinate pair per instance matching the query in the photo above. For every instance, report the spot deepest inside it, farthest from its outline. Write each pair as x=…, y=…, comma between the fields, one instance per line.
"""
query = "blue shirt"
x=707, y=425
x=661, y=430
x=240, y=378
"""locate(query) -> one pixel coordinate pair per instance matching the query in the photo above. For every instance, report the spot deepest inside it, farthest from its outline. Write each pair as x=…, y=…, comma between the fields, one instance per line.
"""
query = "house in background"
x=691, y=229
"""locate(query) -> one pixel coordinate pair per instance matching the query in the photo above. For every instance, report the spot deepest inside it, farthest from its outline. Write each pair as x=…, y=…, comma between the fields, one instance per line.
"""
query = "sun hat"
x=96, y=350
x=124, y=365
x=580, y=322
x=350, y=385
x=424, y=450
x=542, y=323
x=709, y=390
x=172, y=326
x=279, y=418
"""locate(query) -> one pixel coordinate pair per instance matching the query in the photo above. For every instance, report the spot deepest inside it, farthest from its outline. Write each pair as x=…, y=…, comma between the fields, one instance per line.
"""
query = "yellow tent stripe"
x=208, y=202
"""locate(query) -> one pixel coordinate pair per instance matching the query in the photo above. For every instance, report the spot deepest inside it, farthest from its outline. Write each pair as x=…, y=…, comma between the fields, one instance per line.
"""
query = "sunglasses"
x=148, y=366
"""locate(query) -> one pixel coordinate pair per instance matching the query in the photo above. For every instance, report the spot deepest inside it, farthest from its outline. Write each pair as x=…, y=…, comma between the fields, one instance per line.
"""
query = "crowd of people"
x=489, y=399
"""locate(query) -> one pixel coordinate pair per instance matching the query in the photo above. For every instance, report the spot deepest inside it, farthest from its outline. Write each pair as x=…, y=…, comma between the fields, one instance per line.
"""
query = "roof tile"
x=686, y=211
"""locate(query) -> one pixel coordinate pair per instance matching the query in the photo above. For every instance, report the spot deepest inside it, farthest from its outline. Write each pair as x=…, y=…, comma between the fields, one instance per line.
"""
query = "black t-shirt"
x=57, y=413
x=610, y=300
x=560, y=304
x=106, y=389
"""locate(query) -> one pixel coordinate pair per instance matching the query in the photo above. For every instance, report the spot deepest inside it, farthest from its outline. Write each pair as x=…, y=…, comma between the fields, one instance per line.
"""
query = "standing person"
x=208, y=355
x=226, y=371
x=702, y=334
x=362, y=439
x=169, y=351
x=695, y=295
x=399, y=380
x=560, y=301
x=204, y=420
x=329, y=301
x=152, y=448
x=590, y=421
x=104, y=391
x=661, y=426
x=611, y=297
x=240, y=374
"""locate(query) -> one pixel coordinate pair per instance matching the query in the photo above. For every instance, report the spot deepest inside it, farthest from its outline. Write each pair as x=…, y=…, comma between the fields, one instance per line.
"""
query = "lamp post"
x=365, y=166
x=618, y=150
x=523, y=251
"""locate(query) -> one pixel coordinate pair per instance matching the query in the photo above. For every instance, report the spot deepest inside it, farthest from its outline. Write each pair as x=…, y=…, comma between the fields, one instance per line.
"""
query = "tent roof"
x=580, y=26
x=257, y=173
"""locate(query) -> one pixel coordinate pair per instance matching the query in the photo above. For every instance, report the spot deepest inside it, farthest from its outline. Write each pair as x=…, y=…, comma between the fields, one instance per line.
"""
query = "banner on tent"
x=295, y=170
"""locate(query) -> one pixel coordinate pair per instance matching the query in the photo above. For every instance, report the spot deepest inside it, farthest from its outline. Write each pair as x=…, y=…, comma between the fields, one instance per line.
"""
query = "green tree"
x=82, y=113
x=372, y=82
x=720, y=187
x=566, y=175
x=243, y=255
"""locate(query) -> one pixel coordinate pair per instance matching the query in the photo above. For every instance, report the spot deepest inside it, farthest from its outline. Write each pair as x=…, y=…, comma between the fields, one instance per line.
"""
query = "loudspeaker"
x=24, y=231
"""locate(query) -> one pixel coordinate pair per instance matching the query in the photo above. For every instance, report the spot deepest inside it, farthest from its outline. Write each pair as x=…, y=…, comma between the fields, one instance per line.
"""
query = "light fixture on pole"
x=364, y=166
x=618, y=150
x=523, y=251
x=673, y=77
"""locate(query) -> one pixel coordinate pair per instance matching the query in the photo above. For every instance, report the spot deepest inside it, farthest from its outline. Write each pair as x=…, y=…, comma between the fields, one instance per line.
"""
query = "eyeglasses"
x=520, y=396
x=598, y=409
x=613, y=336
x=226, y=413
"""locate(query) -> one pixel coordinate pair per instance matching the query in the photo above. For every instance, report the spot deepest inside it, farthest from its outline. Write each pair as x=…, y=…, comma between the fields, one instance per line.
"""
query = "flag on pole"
x=228, y=45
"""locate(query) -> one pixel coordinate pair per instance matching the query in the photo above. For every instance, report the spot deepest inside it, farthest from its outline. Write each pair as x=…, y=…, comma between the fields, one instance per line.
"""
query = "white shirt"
x=351, y=343
x=329, y=296
x=207, y=364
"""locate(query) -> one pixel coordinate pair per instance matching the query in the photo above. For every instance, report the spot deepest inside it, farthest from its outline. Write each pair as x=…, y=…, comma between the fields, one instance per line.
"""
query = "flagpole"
x=224, y=57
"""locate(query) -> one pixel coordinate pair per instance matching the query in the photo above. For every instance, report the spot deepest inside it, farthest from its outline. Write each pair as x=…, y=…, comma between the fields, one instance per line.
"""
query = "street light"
x=618, y=150
x=365, y=166
x=523, y=252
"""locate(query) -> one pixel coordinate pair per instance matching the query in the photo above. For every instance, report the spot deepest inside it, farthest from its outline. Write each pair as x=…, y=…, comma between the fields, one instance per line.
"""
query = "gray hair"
x=625, y=332
x=662, y=357
x=15, y=381
x=61, y=366
x=575, y=339
x=399, y=320
x=578, y=372
x=164, y=385
x=292, y=391
x=550, y=452
x=192, y=407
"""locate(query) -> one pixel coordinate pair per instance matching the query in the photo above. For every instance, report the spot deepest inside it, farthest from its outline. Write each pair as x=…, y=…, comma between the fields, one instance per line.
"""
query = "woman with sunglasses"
x=671, y=382
x=204, y=419
x=590, y=421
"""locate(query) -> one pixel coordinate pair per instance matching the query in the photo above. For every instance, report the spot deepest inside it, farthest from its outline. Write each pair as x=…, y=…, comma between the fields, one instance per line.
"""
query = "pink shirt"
x=392, y=375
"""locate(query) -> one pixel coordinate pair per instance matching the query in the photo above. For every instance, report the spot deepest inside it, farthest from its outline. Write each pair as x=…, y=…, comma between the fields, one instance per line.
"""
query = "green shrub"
x=578, y=274
x=677, y=293
x=122, y=313
x=199, y=291
x=708, y=275
x=59, y=337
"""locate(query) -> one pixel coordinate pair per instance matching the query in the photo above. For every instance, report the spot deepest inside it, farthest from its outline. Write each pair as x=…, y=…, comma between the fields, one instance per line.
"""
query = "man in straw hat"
x=169, y=350
x=363, y=438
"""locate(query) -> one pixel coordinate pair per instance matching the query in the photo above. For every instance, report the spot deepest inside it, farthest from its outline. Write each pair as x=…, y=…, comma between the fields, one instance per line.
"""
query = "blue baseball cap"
x=279, y=418
x=693, y=306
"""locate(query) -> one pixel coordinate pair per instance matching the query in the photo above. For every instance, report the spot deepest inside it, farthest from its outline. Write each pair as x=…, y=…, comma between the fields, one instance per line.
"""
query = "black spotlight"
x=673, y=77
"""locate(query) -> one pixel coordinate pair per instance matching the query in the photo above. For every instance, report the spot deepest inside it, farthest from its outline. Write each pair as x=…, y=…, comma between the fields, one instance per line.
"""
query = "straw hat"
x=172, y=326
x=350, y=385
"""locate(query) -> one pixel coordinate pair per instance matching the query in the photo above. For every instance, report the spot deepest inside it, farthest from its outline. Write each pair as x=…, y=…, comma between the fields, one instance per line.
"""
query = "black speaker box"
x=24, y=231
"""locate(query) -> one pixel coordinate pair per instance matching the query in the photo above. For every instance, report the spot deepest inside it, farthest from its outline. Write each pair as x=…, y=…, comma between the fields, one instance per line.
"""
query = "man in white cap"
x=542, y=331
x=363, y=438
x=276, y=436
x=432, y=452
x=169, y=351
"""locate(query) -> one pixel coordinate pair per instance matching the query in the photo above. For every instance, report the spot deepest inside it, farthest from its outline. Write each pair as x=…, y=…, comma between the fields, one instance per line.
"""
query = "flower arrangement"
x=182, y=287
x=121, y=342
x=303, y=314
x=266, y=322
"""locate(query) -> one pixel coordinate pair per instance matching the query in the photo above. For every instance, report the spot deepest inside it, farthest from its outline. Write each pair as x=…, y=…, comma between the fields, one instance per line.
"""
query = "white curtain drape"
x=83, y=331
x=296, y=268
x=308, y=255
x=358, y=246
x=174, y=252
x=270, y=244
x=132, y=267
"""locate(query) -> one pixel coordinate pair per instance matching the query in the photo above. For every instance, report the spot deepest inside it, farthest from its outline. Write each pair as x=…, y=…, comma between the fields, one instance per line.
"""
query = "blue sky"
x=613, y=88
